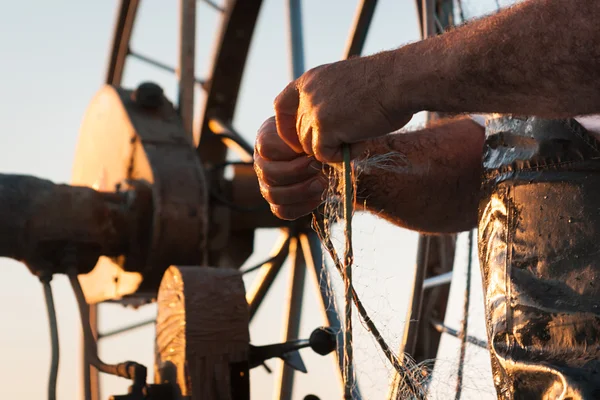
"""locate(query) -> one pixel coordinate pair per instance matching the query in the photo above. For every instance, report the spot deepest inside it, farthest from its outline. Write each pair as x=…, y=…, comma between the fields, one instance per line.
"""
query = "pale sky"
x=53, y=59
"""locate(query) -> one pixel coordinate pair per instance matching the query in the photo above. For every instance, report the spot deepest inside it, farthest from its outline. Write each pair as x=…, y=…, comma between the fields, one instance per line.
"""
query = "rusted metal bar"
x=187, y=52
x=237, y=28
x=120, y=45
x=256, y=294
x=291, y=327
x=213, y=5
x=91, y=376
x=360, y=28
x=428, y=18
x=128, y=328
x=434, y=281
x=232, y=138
x=440, y=327
x=162, y=66
x=414, y=310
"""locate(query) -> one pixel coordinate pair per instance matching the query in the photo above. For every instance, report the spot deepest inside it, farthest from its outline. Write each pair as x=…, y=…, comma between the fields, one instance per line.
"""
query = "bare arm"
x=436, y=189
x=541, y=57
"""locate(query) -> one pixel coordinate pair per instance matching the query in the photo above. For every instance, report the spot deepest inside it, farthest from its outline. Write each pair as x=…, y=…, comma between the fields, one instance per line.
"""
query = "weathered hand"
x=344, y=102
x=292, y=183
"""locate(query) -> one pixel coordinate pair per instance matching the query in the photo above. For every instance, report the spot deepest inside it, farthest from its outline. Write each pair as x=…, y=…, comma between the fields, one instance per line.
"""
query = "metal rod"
x=161, y=65
x=91, y=379
x=233, y=139
x=53, y=339
x=120, y=43
x=187, y=51
x=267, y=274
x=213, y=5
x=296, y=38
x=360, y=28
x=428, y=18
x=126, y=328
x=292, y=317
x=440, y=327
x=434, y=281
x=313, y=257
x=412, y=323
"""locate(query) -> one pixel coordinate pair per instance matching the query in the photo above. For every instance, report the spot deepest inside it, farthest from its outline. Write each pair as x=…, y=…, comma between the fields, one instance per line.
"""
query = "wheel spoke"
x=313, y=256
x=360, y=28
x=232, y=139
x=162, y=66
x=187, y=57
x=291, y=321
x=91, y=378
x=213, y=5
x=267, y=275
x=440, y=327
x=128, y=328
x=438, y=280
x=122, y=34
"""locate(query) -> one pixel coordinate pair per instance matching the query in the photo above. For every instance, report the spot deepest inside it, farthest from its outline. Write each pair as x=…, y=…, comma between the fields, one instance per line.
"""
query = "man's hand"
x=292, y=183
x=344, y=102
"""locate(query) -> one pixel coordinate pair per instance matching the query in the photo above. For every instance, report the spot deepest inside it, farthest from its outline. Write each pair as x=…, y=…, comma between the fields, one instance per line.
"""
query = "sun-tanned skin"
x=541, y=57
x=410, y=195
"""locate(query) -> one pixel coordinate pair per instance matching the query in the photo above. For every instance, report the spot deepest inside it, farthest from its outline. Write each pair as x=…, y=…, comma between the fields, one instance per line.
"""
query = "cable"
x=53, y=337
x=129, y=369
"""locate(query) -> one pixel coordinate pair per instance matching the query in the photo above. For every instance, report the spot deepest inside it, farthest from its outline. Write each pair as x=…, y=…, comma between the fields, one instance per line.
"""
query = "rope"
x=348, y=259
x=465, y=321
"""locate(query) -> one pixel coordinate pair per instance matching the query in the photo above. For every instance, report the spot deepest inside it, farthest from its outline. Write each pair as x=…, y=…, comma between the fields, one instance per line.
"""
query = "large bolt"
x=322, y=340
x=148, y=95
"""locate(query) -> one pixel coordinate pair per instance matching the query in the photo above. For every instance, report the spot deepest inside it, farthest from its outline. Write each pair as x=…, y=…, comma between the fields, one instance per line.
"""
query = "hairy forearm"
x=541, y=57
x=434, y=185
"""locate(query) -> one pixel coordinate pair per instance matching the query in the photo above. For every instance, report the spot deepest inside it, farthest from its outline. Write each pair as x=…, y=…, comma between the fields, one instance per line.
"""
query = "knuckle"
x=287, y=213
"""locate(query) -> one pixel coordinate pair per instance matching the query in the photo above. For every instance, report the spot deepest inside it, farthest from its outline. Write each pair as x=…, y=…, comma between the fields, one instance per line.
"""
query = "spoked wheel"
x=229, y=209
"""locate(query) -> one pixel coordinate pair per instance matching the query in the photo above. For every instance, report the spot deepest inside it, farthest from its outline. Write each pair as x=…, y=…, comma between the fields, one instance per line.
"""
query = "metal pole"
x=360, y=28
x=91, y=379
x=267, y=274
x=292, y=318
x=285, y=381
x=313, y=257
x=296, y=38
x=187, y=51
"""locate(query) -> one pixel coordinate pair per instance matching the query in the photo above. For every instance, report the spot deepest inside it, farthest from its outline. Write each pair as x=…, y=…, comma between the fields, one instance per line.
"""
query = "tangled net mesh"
x=410, y=378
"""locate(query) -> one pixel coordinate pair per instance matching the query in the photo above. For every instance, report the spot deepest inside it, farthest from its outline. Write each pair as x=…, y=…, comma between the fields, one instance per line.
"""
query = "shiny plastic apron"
x=539, y=249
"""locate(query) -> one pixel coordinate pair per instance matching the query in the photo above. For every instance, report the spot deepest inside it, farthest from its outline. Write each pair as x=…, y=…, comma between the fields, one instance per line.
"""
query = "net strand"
x=409, y=377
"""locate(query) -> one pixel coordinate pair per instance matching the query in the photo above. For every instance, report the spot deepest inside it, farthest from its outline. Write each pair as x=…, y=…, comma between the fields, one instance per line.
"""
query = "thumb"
x=286, y=111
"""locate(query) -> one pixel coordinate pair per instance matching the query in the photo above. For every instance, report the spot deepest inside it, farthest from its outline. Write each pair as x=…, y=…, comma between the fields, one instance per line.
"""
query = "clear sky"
x=53, y=57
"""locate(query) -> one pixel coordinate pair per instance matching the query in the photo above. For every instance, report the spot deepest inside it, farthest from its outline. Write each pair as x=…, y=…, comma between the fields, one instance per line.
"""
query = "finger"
x=305, y=133
x=308, y=191
x=270, y=146
x=286, y=110
x=280, y=173
x=294, y=211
